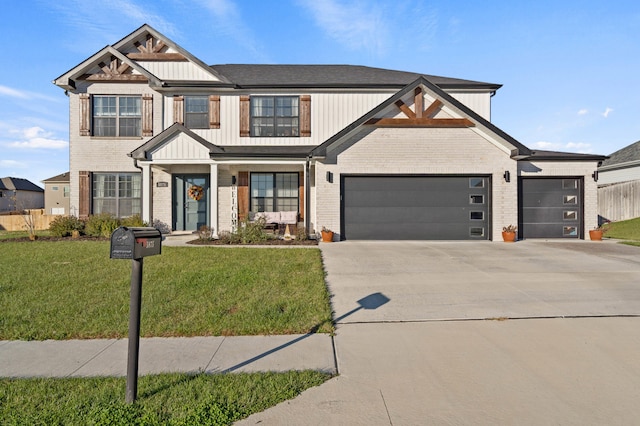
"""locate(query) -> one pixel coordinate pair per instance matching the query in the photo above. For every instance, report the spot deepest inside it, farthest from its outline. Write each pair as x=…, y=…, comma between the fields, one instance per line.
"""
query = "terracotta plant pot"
x=327, y=236
x=509, y=237
x=595, y=234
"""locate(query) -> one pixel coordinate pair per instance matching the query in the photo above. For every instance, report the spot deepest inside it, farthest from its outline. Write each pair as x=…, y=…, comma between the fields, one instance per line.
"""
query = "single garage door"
x=551, y=207
x=415, y=207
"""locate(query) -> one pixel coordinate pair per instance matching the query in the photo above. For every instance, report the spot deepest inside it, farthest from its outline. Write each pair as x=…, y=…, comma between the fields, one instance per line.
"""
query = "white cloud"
x=37, y=138
x=357, y=25
x=606, y=112
x=583, y=112
x=13, y=164
x=578, y=147
x=13, y=93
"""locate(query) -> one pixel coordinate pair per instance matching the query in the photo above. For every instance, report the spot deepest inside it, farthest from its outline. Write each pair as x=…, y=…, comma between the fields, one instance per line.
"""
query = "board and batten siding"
x=177, y=70
x=480, y=103
x=330, y=113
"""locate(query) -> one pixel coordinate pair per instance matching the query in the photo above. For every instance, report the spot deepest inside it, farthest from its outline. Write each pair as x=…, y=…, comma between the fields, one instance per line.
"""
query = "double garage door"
x=416, y=207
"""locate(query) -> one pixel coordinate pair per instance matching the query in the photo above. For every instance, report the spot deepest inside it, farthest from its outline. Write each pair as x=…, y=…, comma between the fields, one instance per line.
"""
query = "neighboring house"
x=56, y=194
x=369, y=153
x=619, y=185
x=19, y=194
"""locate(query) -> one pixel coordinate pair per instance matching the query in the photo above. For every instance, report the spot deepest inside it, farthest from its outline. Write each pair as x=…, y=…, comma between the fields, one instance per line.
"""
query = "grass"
x=7, y=235
x=624, y=230
x=71, y=289
x=166, y=399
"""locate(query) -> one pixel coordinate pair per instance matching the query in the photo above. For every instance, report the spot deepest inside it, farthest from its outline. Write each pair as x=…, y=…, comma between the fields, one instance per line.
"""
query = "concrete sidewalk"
x=108, y=357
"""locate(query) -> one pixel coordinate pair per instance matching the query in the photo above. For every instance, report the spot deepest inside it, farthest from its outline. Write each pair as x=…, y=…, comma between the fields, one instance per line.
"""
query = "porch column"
x=147, y=192
x=213, y=198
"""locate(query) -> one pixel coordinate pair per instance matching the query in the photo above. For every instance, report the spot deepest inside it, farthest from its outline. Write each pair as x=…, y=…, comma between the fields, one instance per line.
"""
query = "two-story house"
x=369, y=153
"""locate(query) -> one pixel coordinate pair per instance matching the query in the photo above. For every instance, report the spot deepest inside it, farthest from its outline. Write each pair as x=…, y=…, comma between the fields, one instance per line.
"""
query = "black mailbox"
x=135, y=243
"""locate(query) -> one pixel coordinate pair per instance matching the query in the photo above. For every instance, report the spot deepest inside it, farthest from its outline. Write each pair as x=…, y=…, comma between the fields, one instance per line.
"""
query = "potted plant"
x=597, y=233
x=509, y=233
x=327, y=235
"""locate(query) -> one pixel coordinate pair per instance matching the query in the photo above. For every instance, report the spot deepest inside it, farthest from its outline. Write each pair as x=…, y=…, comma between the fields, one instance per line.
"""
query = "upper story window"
x=117, y=116
x=196, y=112
x=275, y=116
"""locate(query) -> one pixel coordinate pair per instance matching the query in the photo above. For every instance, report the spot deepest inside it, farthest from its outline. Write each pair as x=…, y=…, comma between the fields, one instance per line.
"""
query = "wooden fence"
x=619, y=201
x=17, y=222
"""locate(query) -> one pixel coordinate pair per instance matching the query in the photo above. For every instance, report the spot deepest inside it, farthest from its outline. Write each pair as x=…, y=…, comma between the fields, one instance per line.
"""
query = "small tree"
x=26, y=215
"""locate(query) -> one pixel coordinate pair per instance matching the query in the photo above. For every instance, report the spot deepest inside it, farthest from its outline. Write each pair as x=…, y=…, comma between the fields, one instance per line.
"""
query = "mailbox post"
x=135, y=244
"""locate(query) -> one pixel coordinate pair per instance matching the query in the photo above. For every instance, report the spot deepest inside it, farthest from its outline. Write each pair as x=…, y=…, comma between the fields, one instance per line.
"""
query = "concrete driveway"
x=419, y=347
x=457, y=280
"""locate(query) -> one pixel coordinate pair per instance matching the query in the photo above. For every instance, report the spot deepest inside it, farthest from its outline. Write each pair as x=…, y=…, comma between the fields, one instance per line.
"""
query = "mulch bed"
x=273, y=242
x=47, y=238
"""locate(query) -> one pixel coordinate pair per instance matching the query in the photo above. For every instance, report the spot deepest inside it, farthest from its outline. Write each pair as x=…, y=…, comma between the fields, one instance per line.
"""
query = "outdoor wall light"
x=595, y=176
x=233, y=180
x=507, y=176
x=329, y=177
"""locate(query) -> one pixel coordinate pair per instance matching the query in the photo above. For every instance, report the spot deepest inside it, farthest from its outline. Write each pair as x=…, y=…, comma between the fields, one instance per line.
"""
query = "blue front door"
x=190, y=202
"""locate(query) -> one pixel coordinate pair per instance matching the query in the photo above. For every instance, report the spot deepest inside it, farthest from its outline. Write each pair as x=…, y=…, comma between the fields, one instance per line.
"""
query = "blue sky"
x=569, y=69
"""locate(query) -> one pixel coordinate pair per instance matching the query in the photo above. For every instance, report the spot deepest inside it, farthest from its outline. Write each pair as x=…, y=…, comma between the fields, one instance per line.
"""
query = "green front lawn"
x=624, y=230
x=71, y=289
x=166, y=399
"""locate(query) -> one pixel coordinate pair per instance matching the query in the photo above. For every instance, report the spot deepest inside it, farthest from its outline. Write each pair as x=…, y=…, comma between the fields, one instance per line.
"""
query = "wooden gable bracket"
x=421, y=117
x=115, y=71
x=153, y=52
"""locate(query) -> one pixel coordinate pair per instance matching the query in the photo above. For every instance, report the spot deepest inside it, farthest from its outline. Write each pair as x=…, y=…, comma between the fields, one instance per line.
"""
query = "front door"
x=190, y=202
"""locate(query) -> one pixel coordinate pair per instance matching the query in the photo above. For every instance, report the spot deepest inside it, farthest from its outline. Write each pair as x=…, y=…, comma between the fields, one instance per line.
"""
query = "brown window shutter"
x=178, y=109
x=214, y=112
x=244, y=116
x=243, y=195
x=85, y=114
x=84, y=188
x=305, y=115
x=301, y=195
x=147, y=115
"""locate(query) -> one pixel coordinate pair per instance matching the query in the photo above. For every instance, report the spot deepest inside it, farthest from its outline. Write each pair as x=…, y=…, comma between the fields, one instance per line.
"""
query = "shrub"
x=101, y=225
x=63, y=226
x=133, y=221
x=205, y=233
x=251, y=232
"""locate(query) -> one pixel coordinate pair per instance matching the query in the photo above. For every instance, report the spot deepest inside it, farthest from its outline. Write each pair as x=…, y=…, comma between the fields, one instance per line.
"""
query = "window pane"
x=274, y=116
x=104, y=127
x=195, y=104
x=287, y=107
x=104, y=106
x=476, y=182
x=117, y=193
x=130, y=106
x=130, y=126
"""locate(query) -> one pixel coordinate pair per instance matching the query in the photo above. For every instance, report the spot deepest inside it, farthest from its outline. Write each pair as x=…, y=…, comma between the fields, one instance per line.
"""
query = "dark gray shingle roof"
x=20, y=184
x=327, y=76
x=625, y=155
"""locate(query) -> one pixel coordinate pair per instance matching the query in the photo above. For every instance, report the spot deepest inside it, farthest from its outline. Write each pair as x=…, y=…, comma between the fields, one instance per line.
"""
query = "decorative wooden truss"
x=421, y=117
x=154, y=50
x=116, y=70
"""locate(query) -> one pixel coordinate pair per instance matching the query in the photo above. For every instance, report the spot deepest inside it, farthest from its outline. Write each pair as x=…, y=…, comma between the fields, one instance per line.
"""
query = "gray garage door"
x=551, y=207
x=415, y=207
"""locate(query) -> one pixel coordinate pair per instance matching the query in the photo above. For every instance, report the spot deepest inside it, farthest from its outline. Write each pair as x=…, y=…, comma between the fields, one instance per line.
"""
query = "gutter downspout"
x=307, y=195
